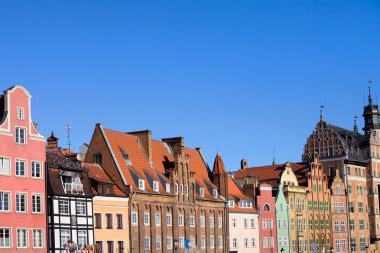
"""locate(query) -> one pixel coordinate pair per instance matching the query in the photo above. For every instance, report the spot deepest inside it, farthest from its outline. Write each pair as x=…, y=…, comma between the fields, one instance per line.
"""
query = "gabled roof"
x=134, y=164
x=235, y=193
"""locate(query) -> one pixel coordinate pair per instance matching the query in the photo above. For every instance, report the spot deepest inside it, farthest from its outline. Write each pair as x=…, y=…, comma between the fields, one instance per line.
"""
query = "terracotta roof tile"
x=219, y=168
x=236, y=193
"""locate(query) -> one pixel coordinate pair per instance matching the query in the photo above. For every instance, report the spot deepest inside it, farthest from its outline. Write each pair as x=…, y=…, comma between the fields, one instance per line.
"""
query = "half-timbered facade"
x=70, y=214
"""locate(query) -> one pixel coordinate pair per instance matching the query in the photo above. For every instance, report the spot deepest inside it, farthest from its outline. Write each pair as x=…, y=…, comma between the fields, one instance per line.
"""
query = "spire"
x=355, y=125
x=219, y=166
x=369, y=92
x=274, y=157
x=321, y=113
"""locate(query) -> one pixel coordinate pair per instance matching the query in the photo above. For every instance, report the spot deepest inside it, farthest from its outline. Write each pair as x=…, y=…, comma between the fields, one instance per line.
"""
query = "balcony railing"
x=72, y=188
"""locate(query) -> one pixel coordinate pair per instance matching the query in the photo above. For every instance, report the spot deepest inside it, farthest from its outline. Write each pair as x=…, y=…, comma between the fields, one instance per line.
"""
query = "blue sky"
x=239, y=77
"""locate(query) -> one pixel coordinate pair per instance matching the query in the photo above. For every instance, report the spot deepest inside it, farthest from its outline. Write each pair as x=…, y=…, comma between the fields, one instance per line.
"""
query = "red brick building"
x=173, y=199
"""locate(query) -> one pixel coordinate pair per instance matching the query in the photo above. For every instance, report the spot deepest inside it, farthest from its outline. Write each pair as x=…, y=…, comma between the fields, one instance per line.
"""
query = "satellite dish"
x=80, y=157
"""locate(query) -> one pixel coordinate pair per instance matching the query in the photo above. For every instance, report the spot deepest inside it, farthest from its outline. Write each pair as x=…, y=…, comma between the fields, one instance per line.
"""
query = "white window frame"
x=253, y=243
x=181, y=220
x=134, y=218
x=81, y=206
x=215, y=193
x=157, y=218
x=212, y=221
x=146, y=243
x=3, y=244
x=158, y=243
x=201, y=191
x=9, y=202
x=220, y=222
x=146, y=219
x=33, y=168
x=212, y=242
x=220, y=242
x=155, y=186
x=64, y=203
x=26, y=237
x=192, y=221
x=169, y=242
x=18, y=163
x=231, y=203
x=83, y=236
x=181, y=242
x=64, y=234
x=234, y=243
x=169, y=220
x=202, y=221
x=25, y=194
x=167, y=187
x=203, y=242
x=18, y=139
x=141, y=184
x=20, y=113
x=2, y=163
x=176, y=188
x=265, y=242
x=246, y=244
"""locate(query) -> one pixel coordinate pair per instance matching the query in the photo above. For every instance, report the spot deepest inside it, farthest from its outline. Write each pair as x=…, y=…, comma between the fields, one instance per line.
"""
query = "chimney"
x=243, y=164
x=145, y=138
x=176, y=143
x=52, y=142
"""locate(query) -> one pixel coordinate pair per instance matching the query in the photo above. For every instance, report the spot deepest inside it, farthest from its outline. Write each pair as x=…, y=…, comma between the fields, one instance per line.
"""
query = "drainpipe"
x=130, y=222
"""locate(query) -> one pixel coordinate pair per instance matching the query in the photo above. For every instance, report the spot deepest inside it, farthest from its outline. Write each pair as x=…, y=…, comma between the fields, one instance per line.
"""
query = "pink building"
x=267, y=220
x=22, y=176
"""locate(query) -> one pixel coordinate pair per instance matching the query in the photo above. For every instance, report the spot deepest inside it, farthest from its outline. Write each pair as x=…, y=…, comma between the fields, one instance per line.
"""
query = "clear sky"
x=239, y=77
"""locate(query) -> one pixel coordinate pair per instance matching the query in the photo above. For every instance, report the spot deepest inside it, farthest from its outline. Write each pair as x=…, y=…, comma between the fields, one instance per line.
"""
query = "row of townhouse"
x=126, y=192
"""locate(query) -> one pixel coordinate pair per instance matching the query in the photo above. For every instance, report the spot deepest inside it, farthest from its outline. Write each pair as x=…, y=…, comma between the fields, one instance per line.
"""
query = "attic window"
x=266, y=208
x=126, y=157
x=167, y=187
x=215, y=193
x=141, y=184
x=201, y=191
x=20, y=113
x=155, y=186
x=98, y=158
x=231, y=203
x=168, y=148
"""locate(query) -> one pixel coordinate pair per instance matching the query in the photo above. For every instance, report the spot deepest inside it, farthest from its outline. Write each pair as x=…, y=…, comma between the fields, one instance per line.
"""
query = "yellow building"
x=111, y=213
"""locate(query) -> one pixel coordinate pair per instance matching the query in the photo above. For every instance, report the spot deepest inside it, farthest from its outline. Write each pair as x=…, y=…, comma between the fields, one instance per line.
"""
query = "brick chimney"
x=243, y=164
x=176, y=143
x=52, y=142
x=145, y=138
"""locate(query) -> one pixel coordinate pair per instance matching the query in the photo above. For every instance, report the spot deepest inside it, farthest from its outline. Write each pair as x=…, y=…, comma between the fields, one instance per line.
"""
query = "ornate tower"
x=371, y=114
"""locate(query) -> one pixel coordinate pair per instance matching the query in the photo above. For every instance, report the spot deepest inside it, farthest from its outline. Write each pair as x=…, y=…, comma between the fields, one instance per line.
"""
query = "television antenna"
x=68, y=127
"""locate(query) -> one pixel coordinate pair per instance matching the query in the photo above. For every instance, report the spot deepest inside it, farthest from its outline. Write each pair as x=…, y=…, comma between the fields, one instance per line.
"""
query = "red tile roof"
x=219, y=168
x=236, y=193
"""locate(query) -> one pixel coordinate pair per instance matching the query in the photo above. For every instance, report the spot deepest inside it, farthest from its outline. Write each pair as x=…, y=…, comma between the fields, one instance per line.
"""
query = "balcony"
x=71, y=188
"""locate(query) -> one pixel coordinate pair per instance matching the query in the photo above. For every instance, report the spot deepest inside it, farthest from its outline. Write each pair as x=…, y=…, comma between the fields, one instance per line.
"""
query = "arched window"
x=266, y=207
x=338, y=189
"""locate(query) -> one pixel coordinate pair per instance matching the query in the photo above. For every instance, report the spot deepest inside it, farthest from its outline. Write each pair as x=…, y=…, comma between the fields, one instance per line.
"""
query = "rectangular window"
x=169, y=242
x=119, y=219
x=246, y=243
x=22, y=238
x=82, y=237
x=342, y=207
x=98, y=220
x=192, y=243
x=21, y=200
x=65, y=236
x=344, y=246
x=271, y=242
x=146, y=243
x=265, y=242
x=146, y=219
x=353, y=244
x=120, y=244
x=211, y=222
x=158, y=219
x=169, y=220
x=234, y=243
x=231, y=203
x=253, y=243
x=181, y=242
x=310, y=205
x=5, y=238
x=155, y=186
x=180, y=220
x=192, y=221
x=220, y=242
x=361, y=224
x=352, y=225
x=20, y=168
x=38, y=238
x=158, y=243
x=141, y=185
x=360, y=207
x=37, y=203
x=202, y=221
x=351, y=206
x=5, y=168
x=203, y=242
x=310, y=224
x=134, y=218
x=20, y=135
x=64, y=207
x=220, y=222
x=20, y=113
x=264, y=223
x=342, y=226
x=233, y=222
x=36, y=170
x=109, y=221
x=362, y=244
x=292, y=224
x=81, y=208
x=201, y=191
x=336, y=226
x=335, y=207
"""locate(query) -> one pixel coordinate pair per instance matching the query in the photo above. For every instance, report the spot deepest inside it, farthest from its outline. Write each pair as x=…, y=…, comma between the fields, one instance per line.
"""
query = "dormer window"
x=125, y=157
x=201, y=191
x=141, y=184
x=167, y=187
x=71, y=183
x=168, y=148
x=231, y=203
x=20, y=113
x=245, y=204
x=215, y=193
x=155, y=186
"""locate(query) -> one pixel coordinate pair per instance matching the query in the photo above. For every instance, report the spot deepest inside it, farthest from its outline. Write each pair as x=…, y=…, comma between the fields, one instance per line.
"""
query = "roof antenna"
x=355, y=126
x=274, y=157
x=321, y=112
x=68, y=127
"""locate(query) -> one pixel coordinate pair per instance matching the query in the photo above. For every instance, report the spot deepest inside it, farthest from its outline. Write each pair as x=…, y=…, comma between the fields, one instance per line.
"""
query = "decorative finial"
x=52, y=134
x=274, y=157
x=369, y=92
x=321, y=112
x=355, y=125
